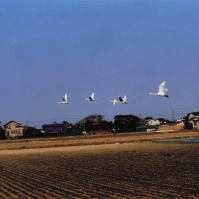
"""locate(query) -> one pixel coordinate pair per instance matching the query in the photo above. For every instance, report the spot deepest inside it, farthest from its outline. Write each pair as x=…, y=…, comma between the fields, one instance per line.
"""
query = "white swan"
x=64, y=100
x=161, y=91
x=122, y=101
x=114, y=101
x=91, y=98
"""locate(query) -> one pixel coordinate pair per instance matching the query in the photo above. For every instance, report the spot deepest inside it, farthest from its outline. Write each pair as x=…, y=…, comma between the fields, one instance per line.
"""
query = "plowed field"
x=126, y=170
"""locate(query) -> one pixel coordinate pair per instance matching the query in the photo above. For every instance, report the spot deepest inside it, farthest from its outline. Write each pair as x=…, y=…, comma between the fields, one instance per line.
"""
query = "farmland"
x=102, y=169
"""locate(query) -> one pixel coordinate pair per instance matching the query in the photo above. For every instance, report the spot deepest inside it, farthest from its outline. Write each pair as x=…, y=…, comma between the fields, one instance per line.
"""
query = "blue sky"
x=52, y=47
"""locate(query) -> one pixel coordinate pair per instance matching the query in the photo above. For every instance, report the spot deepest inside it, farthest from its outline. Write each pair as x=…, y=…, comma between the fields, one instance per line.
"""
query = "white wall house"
x=192, y=114
x=194, y=122
x=153, y=122
x=13, y=129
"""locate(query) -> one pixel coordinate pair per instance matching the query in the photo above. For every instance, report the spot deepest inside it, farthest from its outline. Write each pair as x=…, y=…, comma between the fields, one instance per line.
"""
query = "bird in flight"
x=161, y=91
x=114, y=101
x=64, y=100
x=91, y=98
x=122, y=100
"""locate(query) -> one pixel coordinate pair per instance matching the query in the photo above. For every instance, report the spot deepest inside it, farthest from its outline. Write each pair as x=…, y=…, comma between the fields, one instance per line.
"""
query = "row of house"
x=191, y=121
x=122, y=123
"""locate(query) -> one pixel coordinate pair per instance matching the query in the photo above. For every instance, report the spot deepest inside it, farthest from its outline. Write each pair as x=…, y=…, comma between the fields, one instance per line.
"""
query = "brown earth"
x=100, y=166
x=99, y=138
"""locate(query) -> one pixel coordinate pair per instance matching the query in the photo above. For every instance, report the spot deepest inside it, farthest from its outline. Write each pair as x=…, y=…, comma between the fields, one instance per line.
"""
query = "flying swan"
x=122, y=101
x=114, y=101
x=64, y=100
x=91, y=98
x=161, y=91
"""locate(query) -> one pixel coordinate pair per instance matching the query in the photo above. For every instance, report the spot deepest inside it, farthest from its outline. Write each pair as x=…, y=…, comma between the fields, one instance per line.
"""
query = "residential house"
x=13, y=129
x=163, y=121
x=192, y=120
x=153, y=122
x=192, y=114
x=55, y=129
x=194, y=123
x=150, y=125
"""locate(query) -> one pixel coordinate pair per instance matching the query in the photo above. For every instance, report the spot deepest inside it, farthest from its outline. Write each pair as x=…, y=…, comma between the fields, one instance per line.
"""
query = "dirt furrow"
x=25, y=185
x=50, y=187
x=131, y=173
x=10, y=189
x=5, y=191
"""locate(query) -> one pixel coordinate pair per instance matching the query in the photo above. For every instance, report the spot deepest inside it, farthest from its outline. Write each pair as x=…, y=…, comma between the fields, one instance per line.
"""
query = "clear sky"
x=52, y=47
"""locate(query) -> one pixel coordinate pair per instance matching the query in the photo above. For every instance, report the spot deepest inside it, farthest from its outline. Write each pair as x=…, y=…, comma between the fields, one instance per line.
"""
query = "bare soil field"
x=99, y=138
x=101, y=166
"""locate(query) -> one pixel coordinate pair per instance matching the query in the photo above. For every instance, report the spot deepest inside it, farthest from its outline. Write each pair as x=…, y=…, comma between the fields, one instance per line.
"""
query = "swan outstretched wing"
x=161, y=88
x=114, y=101
x=91, y=98
x=124, y=99
x=65, y=98
x=92, y=95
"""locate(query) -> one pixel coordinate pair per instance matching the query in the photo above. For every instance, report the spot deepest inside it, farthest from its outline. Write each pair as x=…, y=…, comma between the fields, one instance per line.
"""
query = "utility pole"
x=173, y=115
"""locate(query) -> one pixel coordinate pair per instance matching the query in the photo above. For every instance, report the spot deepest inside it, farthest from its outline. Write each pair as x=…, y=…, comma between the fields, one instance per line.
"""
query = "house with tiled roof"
x=13, y=129
x=192, y=114
x=192, y=120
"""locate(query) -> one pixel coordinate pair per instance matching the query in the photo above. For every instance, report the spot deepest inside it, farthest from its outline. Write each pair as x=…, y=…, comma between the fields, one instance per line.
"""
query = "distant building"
x=192, y=114
x=192, y=120
x=63, y=128
x=153, y=122
x=52, y=128
x=180, y=120
x=13, y=129
x=163, y=121
x=194, y=123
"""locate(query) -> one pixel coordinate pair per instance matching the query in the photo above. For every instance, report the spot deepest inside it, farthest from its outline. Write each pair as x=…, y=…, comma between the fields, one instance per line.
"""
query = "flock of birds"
x=161, y=92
